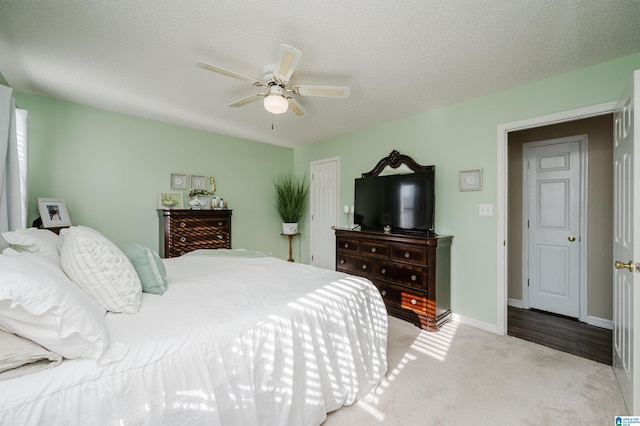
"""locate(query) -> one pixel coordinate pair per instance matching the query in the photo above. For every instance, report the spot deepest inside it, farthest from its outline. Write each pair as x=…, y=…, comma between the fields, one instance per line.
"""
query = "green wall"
x=461, y=137
x=110, y=167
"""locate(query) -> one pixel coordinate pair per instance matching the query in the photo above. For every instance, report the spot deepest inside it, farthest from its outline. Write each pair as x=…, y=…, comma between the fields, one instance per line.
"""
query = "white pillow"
x=40, y=303
x=101, y=269
x=34, y=240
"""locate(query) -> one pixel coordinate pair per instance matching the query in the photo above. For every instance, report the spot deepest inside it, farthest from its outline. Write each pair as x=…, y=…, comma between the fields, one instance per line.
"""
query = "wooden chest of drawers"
x=182, y=231
x=411, y=272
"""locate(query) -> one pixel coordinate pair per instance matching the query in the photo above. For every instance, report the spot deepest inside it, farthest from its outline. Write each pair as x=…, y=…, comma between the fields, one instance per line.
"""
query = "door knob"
x=572, y=238
x=620, y=265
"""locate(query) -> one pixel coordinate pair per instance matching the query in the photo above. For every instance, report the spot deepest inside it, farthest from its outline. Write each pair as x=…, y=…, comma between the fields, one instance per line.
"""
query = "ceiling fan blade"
x=327, y=91
x=246, y=100
x=288, y=58
x=227, y=72
x=296, y=107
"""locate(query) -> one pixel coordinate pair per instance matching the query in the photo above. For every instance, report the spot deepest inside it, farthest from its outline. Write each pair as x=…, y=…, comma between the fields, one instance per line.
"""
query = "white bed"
x=238, y=338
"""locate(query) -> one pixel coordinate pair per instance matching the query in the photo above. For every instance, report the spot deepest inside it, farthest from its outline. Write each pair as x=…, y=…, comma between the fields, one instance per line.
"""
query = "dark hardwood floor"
x=561, y=333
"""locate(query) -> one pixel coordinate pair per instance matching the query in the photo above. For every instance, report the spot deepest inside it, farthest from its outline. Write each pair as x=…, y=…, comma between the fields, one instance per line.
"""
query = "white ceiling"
x=399, y=57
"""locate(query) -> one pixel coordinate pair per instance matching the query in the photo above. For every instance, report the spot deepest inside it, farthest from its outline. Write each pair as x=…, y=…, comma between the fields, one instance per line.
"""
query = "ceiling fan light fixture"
x=275, y=102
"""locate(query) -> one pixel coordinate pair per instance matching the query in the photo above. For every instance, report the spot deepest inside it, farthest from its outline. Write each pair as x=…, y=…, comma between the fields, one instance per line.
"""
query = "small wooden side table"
x=290, y=240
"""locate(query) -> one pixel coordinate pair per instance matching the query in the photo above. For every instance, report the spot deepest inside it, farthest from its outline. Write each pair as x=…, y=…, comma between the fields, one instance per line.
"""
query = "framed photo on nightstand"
x=53, y=212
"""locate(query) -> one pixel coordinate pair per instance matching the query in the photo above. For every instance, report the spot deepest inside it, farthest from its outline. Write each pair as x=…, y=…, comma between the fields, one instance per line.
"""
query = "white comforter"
x=234, y=341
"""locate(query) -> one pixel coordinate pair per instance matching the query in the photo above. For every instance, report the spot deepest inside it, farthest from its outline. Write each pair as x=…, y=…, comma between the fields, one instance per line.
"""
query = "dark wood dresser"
x=182, y=231
x=411, y=272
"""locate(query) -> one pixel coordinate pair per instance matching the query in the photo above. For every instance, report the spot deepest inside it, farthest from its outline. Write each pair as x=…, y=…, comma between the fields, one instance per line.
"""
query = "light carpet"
x=463, y=375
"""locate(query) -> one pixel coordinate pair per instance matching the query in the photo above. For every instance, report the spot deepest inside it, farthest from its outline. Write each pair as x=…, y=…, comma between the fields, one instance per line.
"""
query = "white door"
x=626, y=246
x=553, y=197
x=324, y=212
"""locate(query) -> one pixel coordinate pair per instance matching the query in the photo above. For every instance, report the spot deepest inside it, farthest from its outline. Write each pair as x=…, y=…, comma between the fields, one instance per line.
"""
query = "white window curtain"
x=13, y=164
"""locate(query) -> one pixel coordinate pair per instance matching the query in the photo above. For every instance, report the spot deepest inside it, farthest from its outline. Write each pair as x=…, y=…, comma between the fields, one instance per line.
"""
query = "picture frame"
x=471, y=180
x=198, y=182
x=53, y=212
x=170, y=200
x=206, y=202
x=179, y=181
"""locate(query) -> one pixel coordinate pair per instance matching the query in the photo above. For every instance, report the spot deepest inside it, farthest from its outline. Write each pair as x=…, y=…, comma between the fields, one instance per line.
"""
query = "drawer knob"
x=414, y=301
x=220, y=237
x=373, y=249
x=342, y=261
x=183, y=239
x=383, y=292
x=364, y=266
x=219, y=223
x=182, y=252
x=346, y=245
x=384, y=270
x=182, y=224
x=413, y=278
x=407, y=255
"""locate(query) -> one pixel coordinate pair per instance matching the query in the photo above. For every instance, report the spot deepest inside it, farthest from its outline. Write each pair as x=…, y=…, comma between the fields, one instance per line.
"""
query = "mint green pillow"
x=149, y=266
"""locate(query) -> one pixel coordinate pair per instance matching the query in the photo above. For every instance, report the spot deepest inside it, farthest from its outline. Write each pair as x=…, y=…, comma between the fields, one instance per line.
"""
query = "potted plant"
x=290, y=200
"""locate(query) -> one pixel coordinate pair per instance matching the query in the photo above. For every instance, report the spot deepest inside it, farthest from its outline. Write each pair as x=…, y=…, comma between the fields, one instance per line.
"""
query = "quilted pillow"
x=34, y=240
x=101, y=269
x=40, y=303
x=149, y=266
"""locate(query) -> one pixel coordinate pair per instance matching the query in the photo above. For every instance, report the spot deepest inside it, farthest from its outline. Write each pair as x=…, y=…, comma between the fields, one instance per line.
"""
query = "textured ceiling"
x=399, y=57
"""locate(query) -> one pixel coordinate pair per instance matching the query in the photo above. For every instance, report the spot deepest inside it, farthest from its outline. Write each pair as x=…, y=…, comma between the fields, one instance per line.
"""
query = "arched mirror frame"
x=395, y=160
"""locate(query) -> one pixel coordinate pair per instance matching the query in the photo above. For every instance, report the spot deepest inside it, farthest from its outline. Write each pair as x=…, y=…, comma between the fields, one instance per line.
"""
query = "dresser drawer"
x=413, y=276
x=403, y=298
x=410, y=254
x=179, y=250
x=185, y=238
x=370, y=248
x=346, y=244
x=354, y=265
x=190, y=224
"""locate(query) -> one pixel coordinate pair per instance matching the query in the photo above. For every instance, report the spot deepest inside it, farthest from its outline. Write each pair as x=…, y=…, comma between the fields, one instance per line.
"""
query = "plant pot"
x=290, y=228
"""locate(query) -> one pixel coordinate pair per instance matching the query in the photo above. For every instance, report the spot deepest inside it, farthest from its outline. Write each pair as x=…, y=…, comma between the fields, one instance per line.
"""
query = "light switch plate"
x=486, y=209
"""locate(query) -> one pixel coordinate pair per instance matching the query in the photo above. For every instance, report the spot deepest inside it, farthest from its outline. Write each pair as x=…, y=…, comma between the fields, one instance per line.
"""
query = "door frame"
x=502, y=191
x=583, y=141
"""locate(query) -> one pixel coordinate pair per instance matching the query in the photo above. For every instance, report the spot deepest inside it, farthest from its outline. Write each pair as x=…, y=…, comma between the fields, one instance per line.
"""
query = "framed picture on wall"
x=53, y=212
x=170, y=200
x=471, y=180
x=198, y=182
x=179, y=181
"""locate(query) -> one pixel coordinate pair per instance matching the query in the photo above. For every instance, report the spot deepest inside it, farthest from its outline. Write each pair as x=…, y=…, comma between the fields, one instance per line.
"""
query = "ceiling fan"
x=275, y=79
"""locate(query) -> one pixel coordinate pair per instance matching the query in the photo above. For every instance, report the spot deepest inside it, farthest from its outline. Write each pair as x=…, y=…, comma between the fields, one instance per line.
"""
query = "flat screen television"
x=405, y=202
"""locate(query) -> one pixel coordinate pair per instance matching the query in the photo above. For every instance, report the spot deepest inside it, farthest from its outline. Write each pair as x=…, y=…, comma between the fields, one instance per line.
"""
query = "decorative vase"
x=289, y=228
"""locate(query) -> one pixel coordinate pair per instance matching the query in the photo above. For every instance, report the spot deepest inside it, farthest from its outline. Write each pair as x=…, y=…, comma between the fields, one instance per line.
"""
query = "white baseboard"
x=591, y=320
x=599, y=322
x=475, y=323
x=515, y=303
